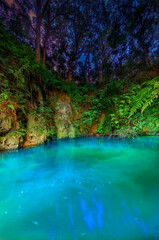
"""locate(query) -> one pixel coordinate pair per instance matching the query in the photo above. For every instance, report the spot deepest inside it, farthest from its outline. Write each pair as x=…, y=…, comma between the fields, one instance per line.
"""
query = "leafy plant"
x=146, y=96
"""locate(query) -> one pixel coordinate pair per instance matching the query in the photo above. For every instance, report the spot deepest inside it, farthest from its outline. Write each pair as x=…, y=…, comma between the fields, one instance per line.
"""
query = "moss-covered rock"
x=6, y=123
x=63, y=120
x=9, y=125
x=10, y=141
x=36, y=132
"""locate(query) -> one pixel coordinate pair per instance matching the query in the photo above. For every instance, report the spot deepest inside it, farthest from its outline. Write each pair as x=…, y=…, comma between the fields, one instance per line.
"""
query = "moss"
x=63, y=120
x=10, y=141
x=6, y=123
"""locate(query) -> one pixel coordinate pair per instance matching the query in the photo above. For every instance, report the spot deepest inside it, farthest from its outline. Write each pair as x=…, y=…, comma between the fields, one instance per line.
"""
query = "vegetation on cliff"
x=92, y=79
x=30, y=96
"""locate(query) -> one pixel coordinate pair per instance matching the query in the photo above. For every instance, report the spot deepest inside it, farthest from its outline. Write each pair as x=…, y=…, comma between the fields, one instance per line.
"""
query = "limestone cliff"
x=37, y=128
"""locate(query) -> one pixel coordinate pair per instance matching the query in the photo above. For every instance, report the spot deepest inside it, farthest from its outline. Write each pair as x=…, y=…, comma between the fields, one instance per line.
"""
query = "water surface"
x=81, y=189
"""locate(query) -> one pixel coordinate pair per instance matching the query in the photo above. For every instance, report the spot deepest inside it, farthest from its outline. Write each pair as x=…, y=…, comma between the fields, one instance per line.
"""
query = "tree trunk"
x=47, y=35
x=87, y=64
x=88, y=74
x=146, y=57
x=102, y=71
x=125, y=88
x=101, y=77
x=37, y=43
x=145, y=52
x=69, y=77
x=38, y=33
x=44, y=52
x=45, y=46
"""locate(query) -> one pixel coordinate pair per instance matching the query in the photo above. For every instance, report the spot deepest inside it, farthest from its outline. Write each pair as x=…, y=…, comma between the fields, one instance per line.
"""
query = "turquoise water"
x=86, y=188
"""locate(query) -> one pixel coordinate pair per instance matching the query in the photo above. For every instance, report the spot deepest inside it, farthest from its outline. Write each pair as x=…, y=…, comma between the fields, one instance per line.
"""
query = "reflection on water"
x=81, y=189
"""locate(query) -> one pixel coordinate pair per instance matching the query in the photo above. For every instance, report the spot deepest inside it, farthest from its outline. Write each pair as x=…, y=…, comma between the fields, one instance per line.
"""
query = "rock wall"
x=12, y=136
x=35, y=131
x=63, y=122
x=64, y=118
x=8, y=126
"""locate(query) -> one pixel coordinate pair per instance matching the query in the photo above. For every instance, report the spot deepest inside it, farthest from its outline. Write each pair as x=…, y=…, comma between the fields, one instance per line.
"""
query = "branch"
x=23, y=11
x=44, y=8
x=132, y=7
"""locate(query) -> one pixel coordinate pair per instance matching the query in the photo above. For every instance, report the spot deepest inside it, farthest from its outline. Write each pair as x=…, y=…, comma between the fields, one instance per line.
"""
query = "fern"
x=146, y=96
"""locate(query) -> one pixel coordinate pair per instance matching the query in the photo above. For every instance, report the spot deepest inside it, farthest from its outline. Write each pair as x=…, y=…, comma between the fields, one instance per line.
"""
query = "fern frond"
x=146, y=96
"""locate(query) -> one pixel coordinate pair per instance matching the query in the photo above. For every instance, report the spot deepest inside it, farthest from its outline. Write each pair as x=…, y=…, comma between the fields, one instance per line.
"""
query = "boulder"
x=6, y=123
x=9, y=142
x=36, y=132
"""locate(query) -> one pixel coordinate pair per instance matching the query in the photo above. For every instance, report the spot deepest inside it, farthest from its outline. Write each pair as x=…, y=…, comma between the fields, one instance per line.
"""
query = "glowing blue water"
x=89, y=188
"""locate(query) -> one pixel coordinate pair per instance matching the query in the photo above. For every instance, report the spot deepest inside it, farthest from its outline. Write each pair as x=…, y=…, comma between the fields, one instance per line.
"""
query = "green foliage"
x=117, y=106
x=138, y=123
x=17, y=62
x=146, y=96
x=11, y=106
x=110, y=109
x=110, y=93
x=3, y=96
x=104, y=125
x=5, y=99
x=91, y=114
x=113, y=88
